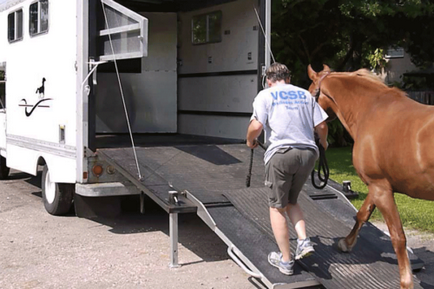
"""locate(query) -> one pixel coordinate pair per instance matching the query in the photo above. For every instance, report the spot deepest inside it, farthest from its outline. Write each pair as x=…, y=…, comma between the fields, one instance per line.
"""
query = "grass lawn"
x=415, y=214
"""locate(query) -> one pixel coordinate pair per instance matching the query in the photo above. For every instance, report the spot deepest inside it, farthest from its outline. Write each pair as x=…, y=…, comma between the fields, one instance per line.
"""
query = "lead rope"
x=249, y=175
x=122, y=94
x=323, y=171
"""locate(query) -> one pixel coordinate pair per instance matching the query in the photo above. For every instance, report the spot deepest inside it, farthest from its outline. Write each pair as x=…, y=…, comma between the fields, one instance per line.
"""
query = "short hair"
x=277, y=71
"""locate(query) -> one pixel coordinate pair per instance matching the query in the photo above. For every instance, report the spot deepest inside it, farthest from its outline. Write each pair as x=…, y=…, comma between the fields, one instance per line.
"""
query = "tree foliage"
x=349, y=34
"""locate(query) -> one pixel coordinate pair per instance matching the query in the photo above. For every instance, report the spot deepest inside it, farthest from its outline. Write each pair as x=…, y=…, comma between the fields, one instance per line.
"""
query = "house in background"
x=418, y=83
x=398, y=63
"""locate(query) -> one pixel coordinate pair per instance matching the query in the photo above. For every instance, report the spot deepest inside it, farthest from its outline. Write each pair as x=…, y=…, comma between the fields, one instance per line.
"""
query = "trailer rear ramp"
x=211, y=179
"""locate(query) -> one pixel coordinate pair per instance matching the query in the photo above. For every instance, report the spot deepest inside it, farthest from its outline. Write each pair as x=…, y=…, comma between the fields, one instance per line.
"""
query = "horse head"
x=325, y=101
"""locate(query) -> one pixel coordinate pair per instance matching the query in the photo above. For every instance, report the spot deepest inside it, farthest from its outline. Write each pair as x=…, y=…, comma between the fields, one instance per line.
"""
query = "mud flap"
x=94, y=207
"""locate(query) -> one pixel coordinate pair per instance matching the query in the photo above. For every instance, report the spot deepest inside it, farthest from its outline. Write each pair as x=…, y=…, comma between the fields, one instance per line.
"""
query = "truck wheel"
x=4, y=170
x=57, y=197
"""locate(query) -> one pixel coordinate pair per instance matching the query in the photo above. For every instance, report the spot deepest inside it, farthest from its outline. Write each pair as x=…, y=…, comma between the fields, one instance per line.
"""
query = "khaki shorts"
x=285, y=174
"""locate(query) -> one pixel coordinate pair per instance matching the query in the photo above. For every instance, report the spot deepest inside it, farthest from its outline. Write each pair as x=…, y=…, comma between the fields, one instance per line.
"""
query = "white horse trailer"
x=80, y=70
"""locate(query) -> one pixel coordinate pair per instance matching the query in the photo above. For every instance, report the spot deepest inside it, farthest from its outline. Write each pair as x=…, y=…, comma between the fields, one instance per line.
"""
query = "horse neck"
x=352, y=103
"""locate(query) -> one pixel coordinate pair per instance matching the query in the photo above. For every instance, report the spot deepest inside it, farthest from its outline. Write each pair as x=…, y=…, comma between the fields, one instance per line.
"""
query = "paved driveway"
x=38, y=250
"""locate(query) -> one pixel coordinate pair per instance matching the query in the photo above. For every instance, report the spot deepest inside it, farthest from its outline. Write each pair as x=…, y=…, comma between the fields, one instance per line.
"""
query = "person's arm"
x=322, y=131
x=253, y=132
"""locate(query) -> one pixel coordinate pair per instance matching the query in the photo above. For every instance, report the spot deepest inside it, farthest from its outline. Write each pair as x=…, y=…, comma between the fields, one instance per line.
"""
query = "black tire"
x=4, y=170
x=57, y=197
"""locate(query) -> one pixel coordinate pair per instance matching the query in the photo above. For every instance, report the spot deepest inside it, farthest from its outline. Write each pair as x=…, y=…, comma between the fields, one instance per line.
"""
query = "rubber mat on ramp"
x=216, y=174
x=371, y=264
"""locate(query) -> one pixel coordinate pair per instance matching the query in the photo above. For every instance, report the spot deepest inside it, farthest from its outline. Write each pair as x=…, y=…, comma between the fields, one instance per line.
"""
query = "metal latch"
x=173, y=197
x=264, y=69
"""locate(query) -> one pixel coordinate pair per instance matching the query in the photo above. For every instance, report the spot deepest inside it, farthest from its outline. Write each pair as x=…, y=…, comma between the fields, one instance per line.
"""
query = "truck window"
x=38, y=17
x=15, y=26
x=206, y=28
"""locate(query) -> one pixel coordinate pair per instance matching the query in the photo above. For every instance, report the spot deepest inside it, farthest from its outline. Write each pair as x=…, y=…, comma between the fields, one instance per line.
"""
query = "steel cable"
x=122, y=95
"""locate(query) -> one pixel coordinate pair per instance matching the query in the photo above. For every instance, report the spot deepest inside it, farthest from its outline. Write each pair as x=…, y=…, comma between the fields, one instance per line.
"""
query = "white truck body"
x=174, y=85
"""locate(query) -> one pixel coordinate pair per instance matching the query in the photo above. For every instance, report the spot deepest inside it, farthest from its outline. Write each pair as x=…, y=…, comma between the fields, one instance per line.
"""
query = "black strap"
x=249, y=175
x=323, y=172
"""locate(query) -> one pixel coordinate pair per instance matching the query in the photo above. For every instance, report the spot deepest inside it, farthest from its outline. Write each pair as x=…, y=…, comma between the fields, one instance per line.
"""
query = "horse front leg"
x=387, y=206
x=347, y=244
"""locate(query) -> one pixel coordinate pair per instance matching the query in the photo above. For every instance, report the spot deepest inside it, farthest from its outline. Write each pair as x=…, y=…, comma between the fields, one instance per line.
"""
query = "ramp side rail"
x=233, y=252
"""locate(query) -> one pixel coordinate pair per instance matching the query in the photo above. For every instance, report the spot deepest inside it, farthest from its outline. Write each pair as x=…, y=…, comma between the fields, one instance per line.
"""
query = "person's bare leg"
x=281, y=232
x=297, y=219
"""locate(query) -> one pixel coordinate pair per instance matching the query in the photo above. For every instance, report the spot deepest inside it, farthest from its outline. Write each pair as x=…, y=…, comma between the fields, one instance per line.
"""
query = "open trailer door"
x=124, y=34
x=138, y=94
x=106, y=31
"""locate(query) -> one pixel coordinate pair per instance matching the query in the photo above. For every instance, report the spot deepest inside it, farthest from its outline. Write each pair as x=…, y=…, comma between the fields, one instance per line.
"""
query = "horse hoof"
x=407, y=283
x=343, y=246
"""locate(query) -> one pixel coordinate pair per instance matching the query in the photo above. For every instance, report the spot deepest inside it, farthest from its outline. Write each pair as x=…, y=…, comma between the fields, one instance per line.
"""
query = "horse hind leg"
x=386, y=205
x=347, y=244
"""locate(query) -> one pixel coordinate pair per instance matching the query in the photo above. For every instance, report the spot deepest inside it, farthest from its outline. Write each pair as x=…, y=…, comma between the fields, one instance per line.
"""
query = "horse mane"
x=368, y=75
x=372, y=77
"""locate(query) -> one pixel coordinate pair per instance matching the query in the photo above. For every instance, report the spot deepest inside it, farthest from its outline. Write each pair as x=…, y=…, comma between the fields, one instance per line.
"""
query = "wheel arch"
x=62, y=170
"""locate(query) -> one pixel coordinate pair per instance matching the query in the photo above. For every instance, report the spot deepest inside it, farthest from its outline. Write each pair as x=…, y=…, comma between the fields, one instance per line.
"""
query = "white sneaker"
x=304, y=249
x=275, y=259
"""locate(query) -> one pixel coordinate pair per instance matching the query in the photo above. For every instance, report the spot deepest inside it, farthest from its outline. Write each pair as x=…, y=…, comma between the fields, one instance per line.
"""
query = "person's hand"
x=324, y=144
x=252, y=144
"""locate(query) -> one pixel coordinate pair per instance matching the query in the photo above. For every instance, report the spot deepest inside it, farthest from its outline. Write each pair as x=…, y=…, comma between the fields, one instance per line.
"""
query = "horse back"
x=396, y=146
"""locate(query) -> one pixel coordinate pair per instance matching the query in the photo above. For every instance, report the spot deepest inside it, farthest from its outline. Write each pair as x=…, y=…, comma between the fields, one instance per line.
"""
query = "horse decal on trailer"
x=41, y=90
x=41, y=94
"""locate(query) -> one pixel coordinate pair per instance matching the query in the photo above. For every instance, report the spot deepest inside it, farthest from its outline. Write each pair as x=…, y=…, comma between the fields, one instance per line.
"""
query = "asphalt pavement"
x=39, y=250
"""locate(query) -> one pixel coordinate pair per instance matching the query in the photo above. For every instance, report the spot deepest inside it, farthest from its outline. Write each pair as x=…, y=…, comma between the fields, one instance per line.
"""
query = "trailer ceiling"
x=169, y=5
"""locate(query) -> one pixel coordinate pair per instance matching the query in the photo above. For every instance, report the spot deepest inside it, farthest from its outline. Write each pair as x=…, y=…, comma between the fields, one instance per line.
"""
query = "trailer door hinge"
x=88, y=152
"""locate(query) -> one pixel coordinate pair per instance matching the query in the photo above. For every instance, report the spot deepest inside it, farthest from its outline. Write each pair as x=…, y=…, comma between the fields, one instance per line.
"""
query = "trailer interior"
x=197, y=82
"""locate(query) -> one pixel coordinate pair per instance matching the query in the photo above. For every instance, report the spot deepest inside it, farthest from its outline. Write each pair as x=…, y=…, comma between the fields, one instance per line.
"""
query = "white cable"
x=263, y=32
x=122, y=93
x=93, y=69
x=264, y=82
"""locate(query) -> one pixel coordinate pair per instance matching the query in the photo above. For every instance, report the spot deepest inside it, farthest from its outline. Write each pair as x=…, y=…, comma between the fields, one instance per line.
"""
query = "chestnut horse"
x=393, y=137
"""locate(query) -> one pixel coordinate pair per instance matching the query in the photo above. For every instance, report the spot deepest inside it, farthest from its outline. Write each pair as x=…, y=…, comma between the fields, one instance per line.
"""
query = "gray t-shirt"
x=288, y=114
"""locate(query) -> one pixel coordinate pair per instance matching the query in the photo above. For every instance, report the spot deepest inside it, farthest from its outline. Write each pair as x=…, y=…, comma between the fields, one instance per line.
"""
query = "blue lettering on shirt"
x=301, y=94
x=283, y=95
x=292, y=95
